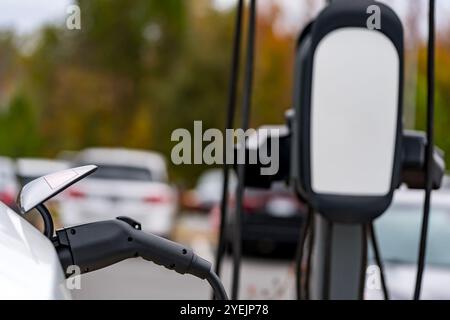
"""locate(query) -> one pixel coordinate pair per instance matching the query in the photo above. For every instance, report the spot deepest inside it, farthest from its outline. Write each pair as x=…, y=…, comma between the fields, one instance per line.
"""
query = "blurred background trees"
x=139, y=69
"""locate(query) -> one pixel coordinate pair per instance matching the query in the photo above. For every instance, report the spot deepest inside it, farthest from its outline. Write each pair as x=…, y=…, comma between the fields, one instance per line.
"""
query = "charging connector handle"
x=100, y=244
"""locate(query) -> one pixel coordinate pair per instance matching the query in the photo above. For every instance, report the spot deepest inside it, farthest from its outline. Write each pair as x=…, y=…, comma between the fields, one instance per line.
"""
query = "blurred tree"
x=274, y=71
x=19, y=126
x=133, y=74
x=10, y=70
x=442, y=118
x=89, y=83
x=412, y=43
x=139, y=69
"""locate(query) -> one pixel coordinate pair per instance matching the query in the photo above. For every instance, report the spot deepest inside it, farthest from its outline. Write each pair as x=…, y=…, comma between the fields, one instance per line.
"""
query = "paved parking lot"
x=139, y=279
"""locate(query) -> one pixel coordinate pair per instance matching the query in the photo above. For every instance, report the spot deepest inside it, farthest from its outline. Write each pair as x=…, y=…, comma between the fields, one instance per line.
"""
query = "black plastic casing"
x=253, y=177
x=414, y=162
x=339, y=14
x=100, y=244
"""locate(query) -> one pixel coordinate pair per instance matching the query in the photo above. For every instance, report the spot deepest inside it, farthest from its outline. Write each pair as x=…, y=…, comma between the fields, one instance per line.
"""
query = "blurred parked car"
x=446, y=183
x=9, y=186
x=129, y=183
x=208, y=191
x=271, y=222
x=29, y=169
x=398, y=233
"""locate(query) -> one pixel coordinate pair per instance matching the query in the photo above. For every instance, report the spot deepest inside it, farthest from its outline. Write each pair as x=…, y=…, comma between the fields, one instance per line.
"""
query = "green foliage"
x=136, y=71
x=139, y=69
x=442, y=97
x=20, y=135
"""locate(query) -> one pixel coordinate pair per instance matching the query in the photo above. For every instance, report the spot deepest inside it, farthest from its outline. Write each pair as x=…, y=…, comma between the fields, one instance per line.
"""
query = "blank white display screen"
x=354, y=109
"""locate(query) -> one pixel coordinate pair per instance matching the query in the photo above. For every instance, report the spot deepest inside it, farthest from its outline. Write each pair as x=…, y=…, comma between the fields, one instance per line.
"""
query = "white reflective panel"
x=354, y=111
x=43, y=188
x=57, y=179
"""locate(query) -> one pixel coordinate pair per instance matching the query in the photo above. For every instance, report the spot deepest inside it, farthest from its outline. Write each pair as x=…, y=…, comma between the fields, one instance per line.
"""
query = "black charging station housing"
x=339, y=14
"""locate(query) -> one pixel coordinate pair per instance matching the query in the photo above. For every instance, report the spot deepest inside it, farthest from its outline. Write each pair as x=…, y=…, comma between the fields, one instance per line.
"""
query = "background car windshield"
x=4, y=178
x=122, y=173
x=25, y=180
x=398, y=231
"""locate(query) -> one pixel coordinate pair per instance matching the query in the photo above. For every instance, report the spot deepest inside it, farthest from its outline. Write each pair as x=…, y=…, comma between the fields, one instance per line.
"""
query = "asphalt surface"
x=139, y=279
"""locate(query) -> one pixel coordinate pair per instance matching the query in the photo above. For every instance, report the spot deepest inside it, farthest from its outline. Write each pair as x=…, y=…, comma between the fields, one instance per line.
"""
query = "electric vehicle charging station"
x=347, y=102
x=348, y=87
x=348, y=110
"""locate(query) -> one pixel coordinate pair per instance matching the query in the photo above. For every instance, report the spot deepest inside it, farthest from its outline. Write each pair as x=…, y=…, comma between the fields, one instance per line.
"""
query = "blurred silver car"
x=9, y=187
x=208, y=190
x=129, y=183
x=398, y=232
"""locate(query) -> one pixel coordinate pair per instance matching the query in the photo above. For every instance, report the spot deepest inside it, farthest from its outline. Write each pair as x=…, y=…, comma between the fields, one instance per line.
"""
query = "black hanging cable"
x=311, y=239
x=378, y=259
x=300, y=252
x=327, y=263
x=429, y=150
x=49, y=228
x=215, y=283
x=231, y=110
x=248, y=86
x=363, y=266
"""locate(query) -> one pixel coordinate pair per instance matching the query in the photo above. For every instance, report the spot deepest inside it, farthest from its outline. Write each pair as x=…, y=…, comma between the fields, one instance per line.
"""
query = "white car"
x=398, y=233
x=30, y=267
x=9, y=187
x=129, y=183
x=208, y=190
x=29, y=169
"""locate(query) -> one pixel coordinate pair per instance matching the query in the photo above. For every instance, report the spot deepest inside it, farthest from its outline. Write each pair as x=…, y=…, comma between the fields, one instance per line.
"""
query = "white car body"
x=29, y=268
x=152, y=202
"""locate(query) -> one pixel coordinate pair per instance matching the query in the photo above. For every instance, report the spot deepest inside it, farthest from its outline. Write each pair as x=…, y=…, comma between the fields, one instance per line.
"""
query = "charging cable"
x=100, y=244
x=429, y=150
